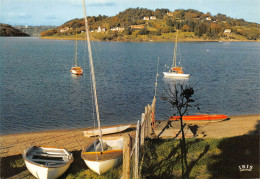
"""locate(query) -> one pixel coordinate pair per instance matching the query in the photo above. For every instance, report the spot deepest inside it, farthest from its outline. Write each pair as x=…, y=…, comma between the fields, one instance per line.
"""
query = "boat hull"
x=47, y=162
x=106, y=130
x=200, y=118
x=175, y=75
x=101, y=167
x=41, y=172
x=76, y=73
x=102, y=161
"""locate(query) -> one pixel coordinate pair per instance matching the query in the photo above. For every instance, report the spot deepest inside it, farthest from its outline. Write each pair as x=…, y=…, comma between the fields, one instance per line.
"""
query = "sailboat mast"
x=76, y=50
x=92, y=74
x=175, y=51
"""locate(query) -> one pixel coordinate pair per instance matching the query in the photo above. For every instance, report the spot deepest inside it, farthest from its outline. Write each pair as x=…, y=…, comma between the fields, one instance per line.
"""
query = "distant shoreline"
x=166, y=40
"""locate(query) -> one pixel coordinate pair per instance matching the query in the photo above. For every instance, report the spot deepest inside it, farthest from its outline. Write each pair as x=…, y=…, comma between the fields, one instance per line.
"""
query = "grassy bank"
x=207, y=158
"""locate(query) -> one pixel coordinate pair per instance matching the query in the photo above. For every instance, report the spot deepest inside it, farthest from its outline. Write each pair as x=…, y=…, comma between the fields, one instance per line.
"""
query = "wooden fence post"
x=126, y=156
x=149, y=126
x=136, y=174
x=142, y=129
x=146, y=123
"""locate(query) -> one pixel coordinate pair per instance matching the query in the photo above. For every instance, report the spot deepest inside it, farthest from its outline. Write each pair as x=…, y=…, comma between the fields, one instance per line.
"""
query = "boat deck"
x=48, y=156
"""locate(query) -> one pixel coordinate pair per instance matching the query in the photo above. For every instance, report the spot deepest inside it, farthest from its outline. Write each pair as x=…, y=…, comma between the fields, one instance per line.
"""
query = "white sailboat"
x=46, y=162
x=175, y=71
x=103, y=154
x=76, y=70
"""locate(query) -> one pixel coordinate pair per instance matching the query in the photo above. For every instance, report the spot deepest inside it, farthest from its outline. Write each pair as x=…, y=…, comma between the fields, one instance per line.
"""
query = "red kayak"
x=200, y=118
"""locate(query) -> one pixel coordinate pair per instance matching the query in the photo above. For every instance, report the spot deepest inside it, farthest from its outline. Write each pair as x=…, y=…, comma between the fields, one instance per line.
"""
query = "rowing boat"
x=47, y=162
x=200, y=118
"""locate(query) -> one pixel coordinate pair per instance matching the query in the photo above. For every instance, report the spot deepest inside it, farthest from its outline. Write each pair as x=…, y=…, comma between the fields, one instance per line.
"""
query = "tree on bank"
x=180, y=97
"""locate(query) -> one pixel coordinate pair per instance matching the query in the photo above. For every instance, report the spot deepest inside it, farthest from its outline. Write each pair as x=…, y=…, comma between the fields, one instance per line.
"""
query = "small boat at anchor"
x=105, y=130
x=47, y=162
x=175, y=71
x=200, y=118
x=76, y=70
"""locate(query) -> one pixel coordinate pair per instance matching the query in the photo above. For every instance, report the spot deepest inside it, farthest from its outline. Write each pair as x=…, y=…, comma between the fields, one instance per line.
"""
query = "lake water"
x=38, y=92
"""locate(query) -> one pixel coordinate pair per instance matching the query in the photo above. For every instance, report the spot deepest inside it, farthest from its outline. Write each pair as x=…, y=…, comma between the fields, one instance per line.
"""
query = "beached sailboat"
x=76, y=70
x=200, y=118
x=176, y=71
x=46, y=162
x=105, y=130
x=103, y=154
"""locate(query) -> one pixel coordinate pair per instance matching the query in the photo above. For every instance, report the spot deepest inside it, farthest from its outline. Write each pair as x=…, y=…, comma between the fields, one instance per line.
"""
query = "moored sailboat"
x=76, y=70
x=47, y=162
x=176, y=71
x=101, y=155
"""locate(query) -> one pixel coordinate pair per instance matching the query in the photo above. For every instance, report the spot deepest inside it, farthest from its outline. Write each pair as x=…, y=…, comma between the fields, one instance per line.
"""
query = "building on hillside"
x=153, y=18
x=208, y=18
x=227, y=32
x=118, y=29
x=137, y=26
x=100, y=29
x=146, y=18
x=64, y=29
x=169, y=13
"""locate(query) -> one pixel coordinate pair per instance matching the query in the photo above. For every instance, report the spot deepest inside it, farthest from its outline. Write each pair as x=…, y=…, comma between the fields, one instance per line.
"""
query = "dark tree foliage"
x=143, y=31
x=159, y=13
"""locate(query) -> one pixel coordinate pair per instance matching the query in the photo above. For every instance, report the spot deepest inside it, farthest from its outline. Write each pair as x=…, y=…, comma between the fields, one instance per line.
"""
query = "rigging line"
x=92, y=96
x=179, y=53
x=93, y=75
x=105, y=83
x=157, y=74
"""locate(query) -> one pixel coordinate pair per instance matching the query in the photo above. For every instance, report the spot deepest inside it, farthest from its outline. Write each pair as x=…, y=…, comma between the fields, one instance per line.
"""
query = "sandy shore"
x=73, y=140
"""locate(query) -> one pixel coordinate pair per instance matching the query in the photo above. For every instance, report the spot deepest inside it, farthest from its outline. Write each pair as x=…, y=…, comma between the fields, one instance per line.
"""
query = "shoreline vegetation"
x=240, y=131
x=142, y=39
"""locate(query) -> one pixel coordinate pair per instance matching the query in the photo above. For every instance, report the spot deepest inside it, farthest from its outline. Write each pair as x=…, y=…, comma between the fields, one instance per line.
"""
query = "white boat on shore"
x=105, y=130
x=175, y=71
x=101, y=155
x=46, y=162
x=100, y=161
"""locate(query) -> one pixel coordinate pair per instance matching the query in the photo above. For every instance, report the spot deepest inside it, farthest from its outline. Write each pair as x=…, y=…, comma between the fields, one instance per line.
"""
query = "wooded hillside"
x=7, y=30
x=139, y=23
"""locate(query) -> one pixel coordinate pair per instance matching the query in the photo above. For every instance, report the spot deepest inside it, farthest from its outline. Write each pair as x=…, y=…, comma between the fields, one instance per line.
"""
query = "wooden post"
x=149, y=126
x=142, y=129
x=145, y=119
x=136, y=174
x=126, y=156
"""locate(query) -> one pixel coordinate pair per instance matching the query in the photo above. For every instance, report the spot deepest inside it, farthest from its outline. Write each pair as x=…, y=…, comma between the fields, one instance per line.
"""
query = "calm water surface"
x=39, y=93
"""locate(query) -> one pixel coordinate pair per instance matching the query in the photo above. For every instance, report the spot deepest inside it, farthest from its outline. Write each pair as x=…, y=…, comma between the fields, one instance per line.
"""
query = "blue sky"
x=57, y=12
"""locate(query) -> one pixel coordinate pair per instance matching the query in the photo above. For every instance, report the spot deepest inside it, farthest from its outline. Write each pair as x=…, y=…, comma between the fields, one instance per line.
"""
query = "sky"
x=57, y=12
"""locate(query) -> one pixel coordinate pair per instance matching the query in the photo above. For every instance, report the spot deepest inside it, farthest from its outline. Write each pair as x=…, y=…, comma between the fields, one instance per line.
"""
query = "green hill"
x=7, y=30
x=141, y=24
